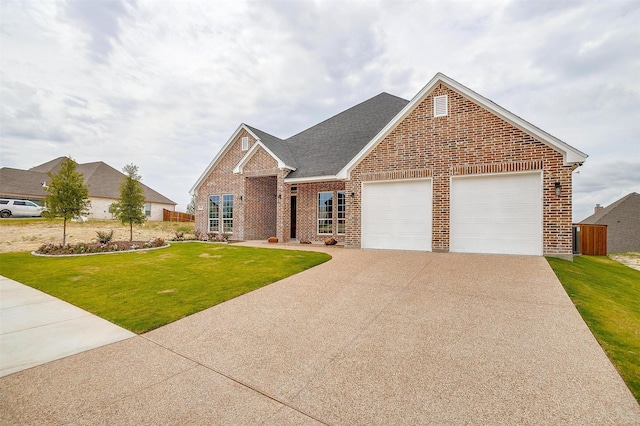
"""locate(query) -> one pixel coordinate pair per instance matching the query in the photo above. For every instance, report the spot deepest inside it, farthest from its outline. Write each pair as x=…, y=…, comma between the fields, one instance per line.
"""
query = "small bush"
x=104, y=237
x=85, y=248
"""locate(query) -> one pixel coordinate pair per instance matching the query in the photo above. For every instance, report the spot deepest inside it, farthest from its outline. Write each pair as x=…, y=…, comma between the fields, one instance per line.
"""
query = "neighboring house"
x=102, y=180
x=448, y=171
x=623, y=223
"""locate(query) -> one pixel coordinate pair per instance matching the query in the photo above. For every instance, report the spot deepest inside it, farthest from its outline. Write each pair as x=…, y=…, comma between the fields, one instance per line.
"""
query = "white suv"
x=19, y=208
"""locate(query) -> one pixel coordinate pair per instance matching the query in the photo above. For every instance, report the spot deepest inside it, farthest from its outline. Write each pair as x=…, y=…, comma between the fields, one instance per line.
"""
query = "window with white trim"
x=214, y=213
x=227, y=214
x=245, y=143
x=147, y=209
x=440, y=106
x=325, y=213
x=342, y=212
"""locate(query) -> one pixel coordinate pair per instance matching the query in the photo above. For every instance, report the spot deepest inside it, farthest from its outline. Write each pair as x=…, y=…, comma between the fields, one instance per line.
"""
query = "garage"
x=497, y=214
x=397, y=215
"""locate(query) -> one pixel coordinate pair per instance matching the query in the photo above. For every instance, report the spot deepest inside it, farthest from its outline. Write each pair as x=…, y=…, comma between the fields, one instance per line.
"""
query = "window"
x=147, y=209
x=342, y=212
x=245, y=143
x=4, y=201
x=214, y=213
x=440, y=106
x=325, y=212
x=19, y=203
x=227, y=214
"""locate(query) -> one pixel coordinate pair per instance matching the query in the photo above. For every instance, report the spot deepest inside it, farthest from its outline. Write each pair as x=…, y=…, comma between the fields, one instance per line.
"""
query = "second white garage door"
x=497, y=214
x=397, y=215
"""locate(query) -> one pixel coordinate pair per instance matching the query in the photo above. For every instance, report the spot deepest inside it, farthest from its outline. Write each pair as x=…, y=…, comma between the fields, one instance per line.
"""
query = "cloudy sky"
x=164, y=83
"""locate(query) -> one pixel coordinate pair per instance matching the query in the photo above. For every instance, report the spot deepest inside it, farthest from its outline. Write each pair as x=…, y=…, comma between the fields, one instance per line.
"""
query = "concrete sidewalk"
x=36, y=328
x=371, y=337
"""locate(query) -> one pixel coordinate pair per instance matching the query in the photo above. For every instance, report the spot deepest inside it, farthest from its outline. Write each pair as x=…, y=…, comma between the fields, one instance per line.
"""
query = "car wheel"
x=5, y=214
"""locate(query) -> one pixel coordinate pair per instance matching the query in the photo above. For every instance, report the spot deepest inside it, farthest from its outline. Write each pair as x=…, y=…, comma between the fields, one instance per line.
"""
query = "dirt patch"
x=631, y=259
x=29, y=234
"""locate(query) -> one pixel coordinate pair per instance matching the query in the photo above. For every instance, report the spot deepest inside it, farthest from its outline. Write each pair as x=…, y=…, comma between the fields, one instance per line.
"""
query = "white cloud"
x=163, y=84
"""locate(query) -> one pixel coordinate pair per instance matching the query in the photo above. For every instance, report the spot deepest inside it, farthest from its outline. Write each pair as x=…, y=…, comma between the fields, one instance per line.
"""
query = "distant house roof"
x=101, y=179
x=623, y=223
x=22, y=183
x=630, y=203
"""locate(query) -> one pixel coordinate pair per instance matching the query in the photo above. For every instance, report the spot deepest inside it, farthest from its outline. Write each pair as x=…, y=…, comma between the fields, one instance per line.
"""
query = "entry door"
x=397, y=215
x=294, y=202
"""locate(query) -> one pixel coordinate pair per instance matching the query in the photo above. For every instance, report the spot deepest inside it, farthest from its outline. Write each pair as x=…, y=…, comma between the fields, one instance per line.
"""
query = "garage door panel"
x=397, y=215
x=497, y=214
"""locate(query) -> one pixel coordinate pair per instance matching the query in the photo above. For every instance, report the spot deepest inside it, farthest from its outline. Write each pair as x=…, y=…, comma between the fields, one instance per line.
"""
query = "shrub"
x=198, y=234
x=85, y=248
x=104, y=237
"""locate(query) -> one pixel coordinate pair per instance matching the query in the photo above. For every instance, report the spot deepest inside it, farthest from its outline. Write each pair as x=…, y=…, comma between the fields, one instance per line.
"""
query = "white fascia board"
x=312, y=179
x=569, y=153
x=219, y=155
x=240, y=166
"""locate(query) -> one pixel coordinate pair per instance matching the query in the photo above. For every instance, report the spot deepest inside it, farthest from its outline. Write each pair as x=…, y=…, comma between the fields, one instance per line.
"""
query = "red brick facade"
x=469, y=140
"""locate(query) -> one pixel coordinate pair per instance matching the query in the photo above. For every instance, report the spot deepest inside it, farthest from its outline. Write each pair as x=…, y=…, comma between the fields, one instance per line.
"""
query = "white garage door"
x=397, y=215
x=497, y=214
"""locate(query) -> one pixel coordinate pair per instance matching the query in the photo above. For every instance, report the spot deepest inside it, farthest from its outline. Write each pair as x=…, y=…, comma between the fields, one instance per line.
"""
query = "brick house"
x=447, y=171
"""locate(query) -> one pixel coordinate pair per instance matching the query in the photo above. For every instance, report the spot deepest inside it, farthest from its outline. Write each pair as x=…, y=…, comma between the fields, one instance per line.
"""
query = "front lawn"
x=607, y=295
x=141, y=291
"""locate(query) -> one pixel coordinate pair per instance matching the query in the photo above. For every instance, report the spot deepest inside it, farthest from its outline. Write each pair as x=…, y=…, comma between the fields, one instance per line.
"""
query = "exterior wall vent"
x=440, y=106
x=245, y=143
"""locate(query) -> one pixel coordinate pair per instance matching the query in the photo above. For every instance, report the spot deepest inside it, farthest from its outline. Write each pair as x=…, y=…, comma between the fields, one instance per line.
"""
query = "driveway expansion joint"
x=233, y=379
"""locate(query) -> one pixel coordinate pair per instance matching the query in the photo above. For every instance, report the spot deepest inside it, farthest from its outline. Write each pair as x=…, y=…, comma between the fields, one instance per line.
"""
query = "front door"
x=293, y=216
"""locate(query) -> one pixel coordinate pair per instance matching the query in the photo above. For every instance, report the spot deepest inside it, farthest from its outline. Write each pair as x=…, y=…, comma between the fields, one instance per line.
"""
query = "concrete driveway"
x=371, y=337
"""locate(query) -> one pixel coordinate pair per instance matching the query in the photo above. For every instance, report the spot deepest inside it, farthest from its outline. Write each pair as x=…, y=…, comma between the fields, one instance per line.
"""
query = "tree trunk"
x=130, y=231
x=64, y=231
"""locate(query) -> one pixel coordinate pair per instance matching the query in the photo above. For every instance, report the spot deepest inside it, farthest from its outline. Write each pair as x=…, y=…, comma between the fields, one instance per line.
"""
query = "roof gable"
x=570, y=154
x=253, y=150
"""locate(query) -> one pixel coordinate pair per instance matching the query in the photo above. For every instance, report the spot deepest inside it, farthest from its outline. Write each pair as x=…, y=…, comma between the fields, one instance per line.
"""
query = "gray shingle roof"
x=628, y=202
x=324, y=149
x=101, y=179
x=276, y=145
x=22, y=183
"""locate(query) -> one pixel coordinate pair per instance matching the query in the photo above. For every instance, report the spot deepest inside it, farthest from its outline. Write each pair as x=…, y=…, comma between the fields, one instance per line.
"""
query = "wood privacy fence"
x=592, y=239
x=169, y=216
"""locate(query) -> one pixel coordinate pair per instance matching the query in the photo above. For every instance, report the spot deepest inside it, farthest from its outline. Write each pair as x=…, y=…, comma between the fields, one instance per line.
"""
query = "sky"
x=163, y=84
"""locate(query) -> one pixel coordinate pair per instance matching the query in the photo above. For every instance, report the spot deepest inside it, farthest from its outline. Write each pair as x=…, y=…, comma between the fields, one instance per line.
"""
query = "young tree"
x=130, y=206
x=191, y=207
x=68, y=196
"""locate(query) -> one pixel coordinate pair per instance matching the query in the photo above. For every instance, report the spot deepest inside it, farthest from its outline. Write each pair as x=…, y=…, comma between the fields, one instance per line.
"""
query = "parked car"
x=19, y=208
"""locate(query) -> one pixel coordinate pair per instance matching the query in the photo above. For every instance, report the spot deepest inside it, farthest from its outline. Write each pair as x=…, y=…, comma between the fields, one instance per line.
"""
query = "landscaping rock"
x=305, y=241
x=330, y=241
x=272, y=240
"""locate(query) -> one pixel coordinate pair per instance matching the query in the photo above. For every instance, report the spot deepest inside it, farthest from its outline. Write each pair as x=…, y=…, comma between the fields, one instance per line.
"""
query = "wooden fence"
x=593, y=239
x=169, y=216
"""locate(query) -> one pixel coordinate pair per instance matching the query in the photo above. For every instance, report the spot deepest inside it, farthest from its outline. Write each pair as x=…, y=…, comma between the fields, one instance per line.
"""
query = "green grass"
x=141, y=291
x=607, y=295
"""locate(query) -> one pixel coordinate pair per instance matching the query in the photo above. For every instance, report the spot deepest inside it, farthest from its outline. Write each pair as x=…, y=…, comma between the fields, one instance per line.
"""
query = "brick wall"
x=469, y=140
x=256, y=215
x=221, y=180
x=307, y=210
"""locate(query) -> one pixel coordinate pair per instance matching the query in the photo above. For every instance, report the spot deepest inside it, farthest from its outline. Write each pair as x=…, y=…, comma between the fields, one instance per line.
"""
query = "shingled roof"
x=101, y=179
x=324, y=149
